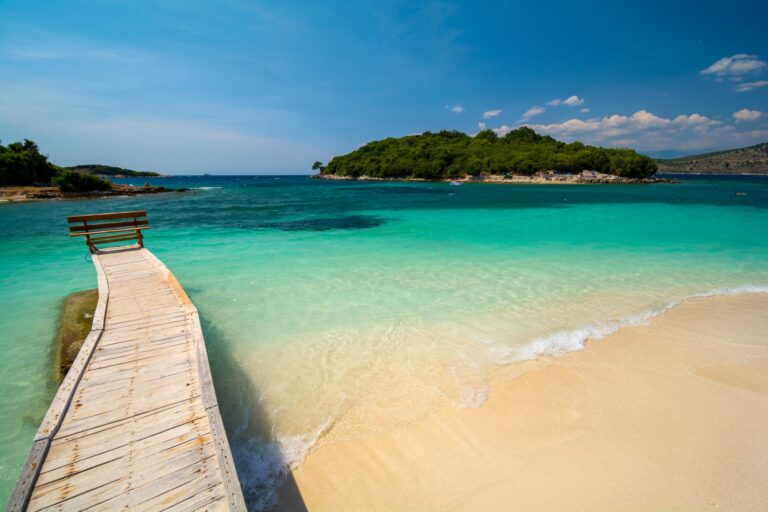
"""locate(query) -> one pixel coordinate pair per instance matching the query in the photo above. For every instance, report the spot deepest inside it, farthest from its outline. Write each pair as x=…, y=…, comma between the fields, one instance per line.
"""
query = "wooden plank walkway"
x=135, y=425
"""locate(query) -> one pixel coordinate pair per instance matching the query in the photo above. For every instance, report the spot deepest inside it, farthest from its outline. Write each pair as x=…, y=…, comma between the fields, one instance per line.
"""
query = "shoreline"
x=713, y=173
x=29, y=193
x=551, y=179
x=654, y=416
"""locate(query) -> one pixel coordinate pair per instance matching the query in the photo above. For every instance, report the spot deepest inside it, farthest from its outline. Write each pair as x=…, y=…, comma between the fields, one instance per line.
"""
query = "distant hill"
x=108, y=170
x=750, y=160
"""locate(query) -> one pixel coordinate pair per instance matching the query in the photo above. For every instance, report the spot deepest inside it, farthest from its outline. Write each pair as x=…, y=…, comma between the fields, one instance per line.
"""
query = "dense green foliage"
x=22, y=164
x=109, y=170
x=73, y=181
x=452, y=154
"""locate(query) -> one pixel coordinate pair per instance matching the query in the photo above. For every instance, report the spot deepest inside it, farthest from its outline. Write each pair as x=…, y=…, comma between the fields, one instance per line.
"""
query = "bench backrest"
x=108, y=228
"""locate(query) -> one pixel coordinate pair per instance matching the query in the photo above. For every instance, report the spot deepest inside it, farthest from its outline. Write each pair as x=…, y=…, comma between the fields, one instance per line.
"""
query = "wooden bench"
x=107, y=228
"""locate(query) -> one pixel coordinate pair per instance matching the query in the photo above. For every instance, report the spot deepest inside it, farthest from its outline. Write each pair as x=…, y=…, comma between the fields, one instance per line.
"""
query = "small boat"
x=456, y=183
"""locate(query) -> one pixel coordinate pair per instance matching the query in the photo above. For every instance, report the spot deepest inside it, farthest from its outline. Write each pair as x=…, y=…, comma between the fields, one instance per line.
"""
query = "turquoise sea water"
x=337, y=309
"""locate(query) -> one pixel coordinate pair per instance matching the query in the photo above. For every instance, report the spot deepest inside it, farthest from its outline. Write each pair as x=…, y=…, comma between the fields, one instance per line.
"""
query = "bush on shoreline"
x=72, y=181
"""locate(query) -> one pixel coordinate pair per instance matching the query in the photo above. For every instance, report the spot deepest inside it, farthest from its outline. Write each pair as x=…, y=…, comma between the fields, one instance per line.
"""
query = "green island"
x=455, y=155
x=26, y=174
x=112, y=171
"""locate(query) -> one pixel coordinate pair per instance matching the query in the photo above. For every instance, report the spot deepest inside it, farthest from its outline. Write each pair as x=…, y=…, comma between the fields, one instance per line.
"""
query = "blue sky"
x=185, y=86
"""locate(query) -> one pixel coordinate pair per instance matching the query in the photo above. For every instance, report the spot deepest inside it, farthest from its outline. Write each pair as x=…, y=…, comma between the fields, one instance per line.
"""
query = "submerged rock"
x=75, y=320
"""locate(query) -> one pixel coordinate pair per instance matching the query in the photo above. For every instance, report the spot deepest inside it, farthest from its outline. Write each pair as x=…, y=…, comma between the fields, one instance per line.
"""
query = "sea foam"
x=575, y=339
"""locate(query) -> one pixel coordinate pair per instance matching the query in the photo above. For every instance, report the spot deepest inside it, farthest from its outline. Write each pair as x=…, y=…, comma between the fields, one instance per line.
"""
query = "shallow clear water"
x=363, y=306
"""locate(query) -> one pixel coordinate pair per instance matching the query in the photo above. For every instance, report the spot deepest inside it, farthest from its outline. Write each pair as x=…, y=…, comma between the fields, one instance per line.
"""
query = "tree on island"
x=453, y=154
x=21, y=163
x=317, y=166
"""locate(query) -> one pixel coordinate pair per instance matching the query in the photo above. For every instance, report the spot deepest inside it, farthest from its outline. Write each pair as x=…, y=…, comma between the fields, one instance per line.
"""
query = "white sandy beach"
x=671, y=415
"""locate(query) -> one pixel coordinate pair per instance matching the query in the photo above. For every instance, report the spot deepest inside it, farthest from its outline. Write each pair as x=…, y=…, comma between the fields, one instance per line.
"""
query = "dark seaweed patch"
x=327, y=224
x=400, y=190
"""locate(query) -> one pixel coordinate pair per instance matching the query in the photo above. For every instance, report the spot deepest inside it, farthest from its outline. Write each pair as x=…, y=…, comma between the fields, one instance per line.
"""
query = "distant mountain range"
x=749, y=160
x=111, y=171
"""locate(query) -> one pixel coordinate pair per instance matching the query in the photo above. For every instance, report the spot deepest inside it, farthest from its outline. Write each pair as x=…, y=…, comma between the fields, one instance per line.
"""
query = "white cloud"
x=573, y=101
x=695, y=120
x=584, y=110
x=748, y=86
x=618, y=125
x=747, y=115
x=533, y=111
x=491, y=113
x=456, y=109
x=502, y=130
x=481, y=126
x=643, y=129
x=644, y=119
x=738, y=64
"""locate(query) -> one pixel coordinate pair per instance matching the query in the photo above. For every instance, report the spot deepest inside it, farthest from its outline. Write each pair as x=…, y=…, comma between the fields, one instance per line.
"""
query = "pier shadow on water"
x=265, y=478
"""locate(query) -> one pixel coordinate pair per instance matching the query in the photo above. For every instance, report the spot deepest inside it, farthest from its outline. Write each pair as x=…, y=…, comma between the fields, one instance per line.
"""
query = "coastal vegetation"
x=26, y=174
x=453, y=154
x=72, y=181
x=112, y=171
x=21, y=163
x=749, y=160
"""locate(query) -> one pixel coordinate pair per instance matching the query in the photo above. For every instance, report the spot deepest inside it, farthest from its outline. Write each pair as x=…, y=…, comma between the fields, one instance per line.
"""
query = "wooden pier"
x=135, y=424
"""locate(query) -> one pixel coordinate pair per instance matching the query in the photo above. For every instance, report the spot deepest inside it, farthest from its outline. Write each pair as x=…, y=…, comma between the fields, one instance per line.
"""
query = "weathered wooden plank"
x=168, y=413
x=114, y=336
x=117, y=354
x=29, y=474
x=138, y=357
x=148, y=337
x=95, y=230
x=63, y=397
x=91, y=487
x=106, y=216
x=212, y=499
x=140, y=405
x=137, y=449
x=163, y=385
x=165, y=490
x=122, y=350
x=153, y=321
x=109, y=225
x=226, y=463
x=137, y=425
x=149, y=370
x=153, y=429
x=166, y=314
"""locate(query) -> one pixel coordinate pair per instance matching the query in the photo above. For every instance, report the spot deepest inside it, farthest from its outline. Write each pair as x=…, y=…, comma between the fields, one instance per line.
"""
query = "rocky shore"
x=585, y=178
x=30, y=193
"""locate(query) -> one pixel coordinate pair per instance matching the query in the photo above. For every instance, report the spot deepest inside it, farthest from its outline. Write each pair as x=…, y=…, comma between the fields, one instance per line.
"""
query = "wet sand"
x=671, y=415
